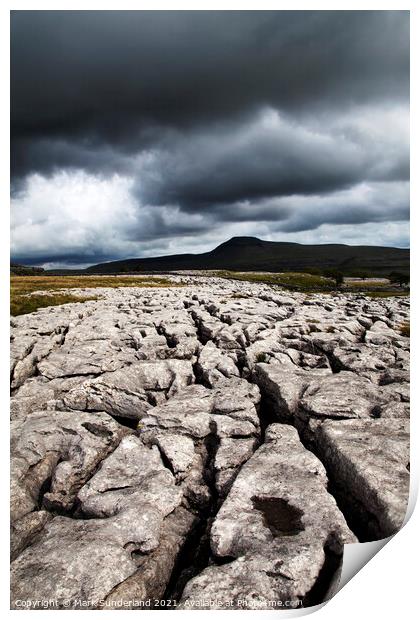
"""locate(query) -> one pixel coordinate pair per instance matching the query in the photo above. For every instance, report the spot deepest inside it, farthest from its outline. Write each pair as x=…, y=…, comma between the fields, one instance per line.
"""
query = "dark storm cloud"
x=269, y=156
x=214, y=118
x=118, y=77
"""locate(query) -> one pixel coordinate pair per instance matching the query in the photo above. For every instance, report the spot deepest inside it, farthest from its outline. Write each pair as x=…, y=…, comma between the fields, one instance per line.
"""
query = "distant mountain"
x=252, y=254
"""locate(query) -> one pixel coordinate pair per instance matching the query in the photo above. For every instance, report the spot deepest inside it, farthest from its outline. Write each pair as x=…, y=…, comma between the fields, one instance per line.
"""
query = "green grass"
x=23, y=301
x=291, y=280
x=365, y=284
x=30, y=284
x=383, y=294
x=24, y=304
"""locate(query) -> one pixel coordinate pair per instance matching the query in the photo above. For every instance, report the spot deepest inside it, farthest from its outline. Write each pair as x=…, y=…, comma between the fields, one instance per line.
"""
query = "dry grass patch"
x=405, y=329
x=22, y=289
x=24, y=304
x=29, y=284
x=289, y=280
x=384, y=294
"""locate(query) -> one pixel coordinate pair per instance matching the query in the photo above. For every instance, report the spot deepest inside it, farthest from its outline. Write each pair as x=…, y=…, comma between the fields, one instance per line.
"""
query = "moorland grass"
x=290, y=280
x=383, y=294
x=22, y=289
x=24, y=304
x=314, y=283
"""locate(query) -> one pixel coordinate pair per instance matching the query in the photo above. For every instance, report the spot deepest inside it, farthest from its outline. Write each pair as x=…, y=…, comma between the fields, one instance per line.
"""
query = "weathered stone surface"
x=90, y=358
x=281, y=471
x=63, y=447
x=205, y=434
x=134, y=474
x=368, y=461
x=361, y=358
x=285, y=387
x=150, y=580
x=230, y=455
x=278, y=520
x=24, y=531
x=128, y=392
x=106, y=513
x=196, y=411
x=26, y=364
x=343, y=395
x=127, y=500
x=178, y=451
x=39, y=393
x=213, y=365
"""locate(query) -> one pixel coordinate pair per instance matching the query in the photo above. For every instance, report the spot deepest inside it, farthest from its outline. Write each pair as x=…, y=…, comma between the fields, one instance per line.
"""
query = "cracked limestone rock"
x=368, y=461
x=126, y=501
x=126, y=392
x=277, y=526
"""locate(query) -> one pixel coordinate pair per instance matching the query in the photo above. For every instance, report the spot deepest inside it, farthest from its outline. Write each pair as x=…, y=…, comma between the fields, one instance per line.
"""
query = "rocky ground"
x=213, y=444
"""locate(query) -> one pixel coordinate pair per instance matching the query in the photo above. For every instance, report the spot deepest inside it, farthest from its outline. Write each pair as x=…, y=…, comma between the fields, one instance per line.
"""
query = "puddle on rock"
x=280, y=517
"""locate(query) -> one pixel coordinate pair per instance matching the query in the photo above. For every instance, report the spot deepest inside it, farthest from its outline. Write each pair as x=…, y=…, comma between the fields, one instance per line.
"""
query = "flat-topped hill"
x=252, y=254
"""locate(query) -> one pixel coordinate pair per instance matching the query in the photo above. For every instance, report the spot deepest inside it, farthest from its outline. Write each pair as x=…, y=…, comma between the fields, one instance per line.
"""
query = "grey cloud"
x=217, y=121
x=270, y=156
x=118, y=77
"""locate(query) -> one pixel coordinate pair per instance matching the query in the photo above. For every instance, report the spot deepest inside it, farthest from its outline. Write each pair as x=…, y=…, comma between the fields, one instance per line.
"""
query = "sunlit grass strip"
x=24, y=304
x=366, y=283
x=383, y=294
x=292, y=280
x=22, y=289
x=29, y=284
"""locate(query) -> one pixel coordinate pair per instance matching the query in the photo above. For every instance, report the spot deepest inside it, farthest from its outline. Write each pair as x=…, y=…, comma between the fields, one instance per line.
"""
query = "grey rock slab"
x=362, y=357
x=213, y=364
x=280, y=578
x=25, y=531
x=307, y=360
x=186, y=413
x=231, y=337
x=266, y=345
x=196, y=411
x=20, y=346
x=368, y=461
x=278, y=521
x=150, y=580
x=132, y=493
x=178, y=450
x=343, y=395
x=280, y=492
x=230, y=456
x=327, y=342
x=38, y=393
x=67, y=563
x=62, y=446
x=284, y=387
x=85, y=358
x=395, y=410
x=125, y=392
x=133, y=474
x=27, y=366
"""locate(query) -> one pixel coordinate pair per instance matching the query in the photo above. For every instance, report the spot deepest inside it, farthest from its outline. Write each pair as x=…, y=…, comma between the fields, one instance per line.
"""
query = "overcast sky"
x=149, y=133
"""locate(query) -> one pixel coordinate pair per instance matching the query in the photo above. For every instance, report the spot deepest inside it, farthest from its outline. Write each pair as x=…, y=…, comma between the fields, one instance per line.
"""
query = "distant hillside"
x=251, y=254
x=23, y=270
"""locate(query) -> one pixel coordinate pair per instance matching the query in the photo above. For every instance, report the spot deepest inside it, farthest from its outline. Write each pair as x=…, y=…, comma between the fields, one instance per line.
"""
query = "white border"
x=387, y=585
